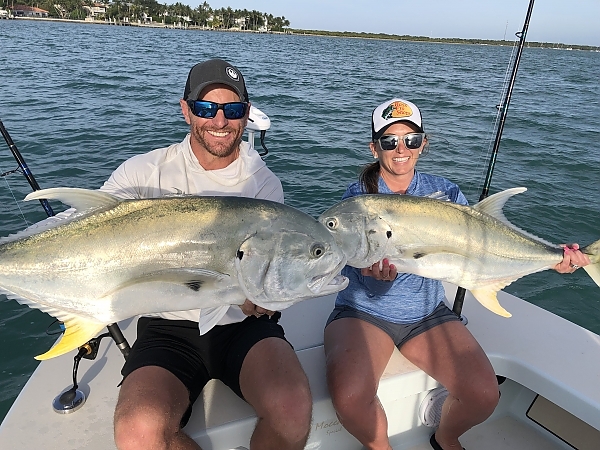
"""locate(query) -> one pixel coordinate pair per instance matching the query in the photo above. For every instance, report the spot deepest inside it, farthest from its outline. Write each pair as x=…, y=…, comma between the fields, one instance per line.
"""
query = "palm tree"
x=203, y=12
x=256, y=19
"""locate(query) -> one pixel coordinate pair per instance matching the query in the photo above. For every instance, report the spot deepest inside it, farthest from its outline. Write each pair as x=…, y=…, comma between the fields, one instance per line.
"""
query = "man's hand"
x=573, y=259
x=250, y=309
x=382, y=271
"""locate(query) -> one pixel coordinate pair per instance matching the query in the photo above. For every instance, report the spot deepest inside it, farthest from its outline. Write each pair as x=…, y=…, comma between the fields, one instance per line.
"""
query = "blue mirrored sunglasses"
x=208, y=110
x=412, y=141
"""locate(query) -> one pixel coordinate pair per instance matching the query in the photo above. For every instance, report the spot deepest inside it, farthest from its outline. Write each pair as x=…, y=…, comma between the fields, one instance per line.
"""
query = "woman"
x=382, y=309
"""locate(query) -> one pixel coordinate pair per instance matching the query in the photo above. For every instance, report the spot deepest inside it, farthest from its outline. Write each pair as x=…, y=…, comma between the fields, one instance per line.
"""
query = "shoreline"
x=142, y=25
x=338, y=34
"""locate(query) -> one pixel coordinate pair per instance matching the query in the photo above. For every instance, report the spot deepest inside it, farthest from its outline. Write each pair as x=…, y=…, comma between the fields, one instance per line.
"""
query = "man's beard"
x=220, y=150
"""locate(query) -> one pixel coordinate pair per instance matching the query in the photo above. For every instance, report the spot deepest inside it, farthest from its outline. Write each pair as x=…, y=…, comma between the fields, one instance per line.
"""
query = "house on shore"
x=28, y=11
x=96, y=10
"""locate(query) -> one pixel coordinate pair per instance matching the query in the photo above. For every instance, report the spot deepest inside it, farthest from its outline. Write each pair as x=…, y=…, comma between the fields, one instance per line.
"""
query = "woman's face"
x=401, y=161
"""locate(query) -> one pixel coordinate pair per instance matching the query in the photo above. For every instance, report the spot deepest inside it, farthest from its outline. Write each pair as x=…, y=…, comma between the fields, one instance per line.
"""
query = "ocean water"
x=79, y=99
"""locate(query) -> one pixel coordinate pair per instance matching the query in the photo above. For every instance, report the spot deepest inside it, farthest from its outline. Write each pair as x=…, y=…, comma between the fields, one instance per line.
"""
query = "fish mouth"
x=330, y=282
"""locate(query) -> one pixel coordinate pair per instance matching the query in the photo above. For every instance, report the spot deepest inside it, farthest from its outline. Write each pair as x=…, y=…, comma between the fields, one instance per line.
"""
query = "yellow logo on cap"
x=396, y=110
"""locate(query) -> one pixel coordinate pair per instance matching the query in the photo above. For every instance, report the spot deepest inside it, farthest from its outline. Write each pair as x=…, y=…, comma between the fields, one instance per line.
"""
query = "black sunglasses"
x=412, y=141
x=208, y=110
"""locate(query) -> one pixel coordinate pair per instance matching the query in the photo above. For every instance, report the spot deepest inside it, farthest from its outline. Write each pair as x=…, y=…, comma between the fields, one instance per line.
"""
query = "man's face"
x=217, y=137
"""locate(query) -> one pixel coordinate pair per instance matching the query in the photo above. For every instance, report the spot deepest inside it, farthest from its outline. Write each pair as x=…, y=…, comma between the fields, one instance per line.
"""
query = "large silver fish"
x=473, y=247
x=121, y=258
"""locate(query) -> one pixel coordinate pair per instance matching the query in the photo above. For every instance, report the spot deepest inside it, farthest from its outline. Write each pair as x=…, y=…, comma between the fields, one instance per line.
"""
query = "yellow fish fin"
x=487, y=297
x=593, y=269
x=78, y=331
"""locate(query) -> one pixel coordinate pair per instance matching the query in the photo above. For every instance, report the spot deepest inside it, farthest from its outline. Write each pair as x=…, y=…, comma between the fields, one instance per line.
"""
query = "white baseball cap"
x=392, y=111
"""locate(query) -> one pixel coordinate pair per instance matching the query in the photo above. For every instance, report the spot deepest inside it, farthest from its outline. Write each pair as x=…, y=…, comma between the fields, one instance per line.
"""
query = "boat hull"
x=538, y=352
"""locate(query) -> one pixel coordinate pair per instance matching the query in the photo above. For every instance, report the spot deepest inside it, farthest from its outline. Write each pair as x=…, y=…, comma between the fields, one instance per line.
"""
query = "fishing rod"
x=24, y=169
x=503, y=110
x=113, y=328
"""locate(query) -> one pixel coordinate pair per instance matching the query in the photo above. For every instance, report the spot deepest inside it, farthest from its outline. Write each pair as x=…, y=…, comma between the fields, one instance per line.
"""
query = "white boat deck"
x=548, y=355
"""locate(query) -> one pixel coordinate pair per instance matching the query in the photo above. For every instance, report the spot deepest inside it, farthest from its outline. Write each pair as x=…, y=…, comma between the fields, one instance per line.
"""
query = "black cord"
x=54, y=333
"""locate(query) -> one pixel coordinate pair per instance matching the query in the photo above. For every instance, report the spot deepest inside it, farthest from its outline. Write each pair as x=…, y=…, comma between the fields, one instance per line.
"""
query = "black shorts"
x=176, y=345
x=399, y=332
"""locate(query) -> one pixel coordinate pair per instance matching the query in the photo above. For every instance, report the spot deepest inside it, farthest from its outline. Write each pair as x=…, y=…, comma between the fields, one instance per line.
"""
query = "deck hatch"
x=563, y=424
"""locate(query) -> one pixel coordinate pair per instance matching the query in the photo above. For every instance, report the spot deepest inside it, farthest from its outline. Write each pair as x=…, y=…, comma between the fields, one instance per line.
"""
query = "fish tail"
x=593, y=269
x=77, y=332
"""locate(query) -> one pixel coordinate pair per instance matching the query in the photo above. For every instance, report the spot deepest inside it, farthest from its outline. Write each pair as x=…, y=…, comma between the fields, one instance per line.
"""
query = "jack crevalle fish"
x=114, y=259
x=473, y=247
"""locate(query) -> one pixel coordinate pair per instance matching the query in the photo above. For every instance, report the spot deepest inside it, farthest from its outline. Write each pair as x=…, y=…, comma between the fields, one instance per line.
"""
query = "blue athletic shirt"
x=409, y=298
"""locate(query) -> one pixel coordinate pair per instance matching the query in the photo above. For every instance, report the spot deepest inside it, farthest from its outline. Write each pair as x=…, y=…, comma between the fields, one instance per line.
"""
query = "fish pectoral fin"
x=487, y=296
x=194, y=279
x=420, y=251
x=77, y=332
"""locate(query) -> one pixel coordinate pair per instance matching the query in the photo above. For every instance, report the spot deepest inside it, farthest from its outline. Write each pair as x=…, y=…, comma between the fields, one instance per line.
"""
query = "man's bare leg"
x=151, y=403
x=274, y=383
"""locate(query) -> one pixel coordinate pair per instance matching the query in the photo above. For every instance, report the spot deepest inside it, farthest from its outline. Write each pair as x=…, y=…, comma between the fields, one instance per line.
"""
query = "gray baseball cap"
x=214, y=71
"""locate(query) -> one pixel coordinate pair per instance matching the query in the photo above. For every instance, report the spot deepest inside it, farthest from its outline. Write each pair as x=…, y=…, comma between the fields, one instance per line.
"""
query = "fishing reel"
x=73, y=399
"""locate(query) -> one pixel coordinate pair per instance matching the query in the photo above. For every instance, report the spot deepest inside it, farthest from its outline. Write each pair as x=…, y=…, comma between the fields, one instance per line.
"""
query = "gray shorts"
x=400, y=333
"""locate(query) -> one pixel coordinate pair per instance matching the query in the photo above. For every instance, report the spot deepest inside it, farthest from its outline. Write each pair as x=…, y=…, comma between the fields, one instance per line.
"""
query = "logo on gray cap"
x=232, y=73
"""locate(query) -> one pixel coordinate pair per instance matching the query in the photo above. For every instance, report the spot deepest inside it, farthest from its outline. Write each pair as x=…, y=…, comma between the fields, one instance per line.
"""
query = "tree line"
x=406, y=37
x=203, y=15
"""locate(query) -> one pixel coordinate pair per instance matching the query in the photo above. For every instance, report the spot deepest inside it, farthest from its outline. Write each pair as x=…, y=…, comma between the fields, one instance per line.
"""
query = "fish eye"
x=317, y=250
x=331, y=223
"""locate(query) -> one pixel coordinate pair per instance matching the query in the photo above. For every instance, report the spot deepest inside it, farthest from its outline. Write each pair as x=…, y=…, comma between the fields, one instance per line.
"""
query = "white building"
x=29, y=11
x=97, y=10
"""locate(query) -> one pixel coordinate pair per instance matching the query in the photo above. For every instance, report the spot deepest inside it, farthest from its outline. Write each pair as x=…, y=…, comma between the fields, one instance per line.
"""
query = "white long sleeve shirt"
x=175, y=170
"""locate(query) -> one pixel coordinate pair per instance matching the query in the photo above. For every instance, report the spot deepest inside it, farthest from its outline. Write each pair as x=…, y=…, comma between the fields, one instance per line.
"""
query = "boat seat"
x=218, y=408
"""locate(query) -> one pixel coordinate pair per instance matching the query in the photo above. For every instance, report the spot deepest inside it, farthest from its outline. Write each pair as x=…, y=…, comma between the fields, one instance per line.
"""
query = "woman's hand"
x=573, y=259
x=382, y=271
x=250, y=309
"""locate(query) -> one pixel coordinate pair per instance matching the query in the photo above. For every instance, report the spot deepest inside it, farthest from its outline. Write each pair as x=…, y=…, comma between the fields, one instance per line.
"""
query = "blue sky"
x=565, y=21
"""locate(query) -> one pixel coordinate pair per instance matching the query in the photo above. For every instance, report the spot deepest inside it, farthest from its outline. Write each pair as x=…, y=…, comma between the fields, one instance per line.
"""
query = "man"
x=177, y=353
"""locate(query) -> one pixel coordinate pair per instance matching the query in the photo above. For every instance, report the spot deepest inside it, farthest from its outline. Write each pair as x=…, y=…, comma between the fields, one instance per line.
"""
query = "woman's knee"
x=482, y=396
x=489, y=398
x=350, y=398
